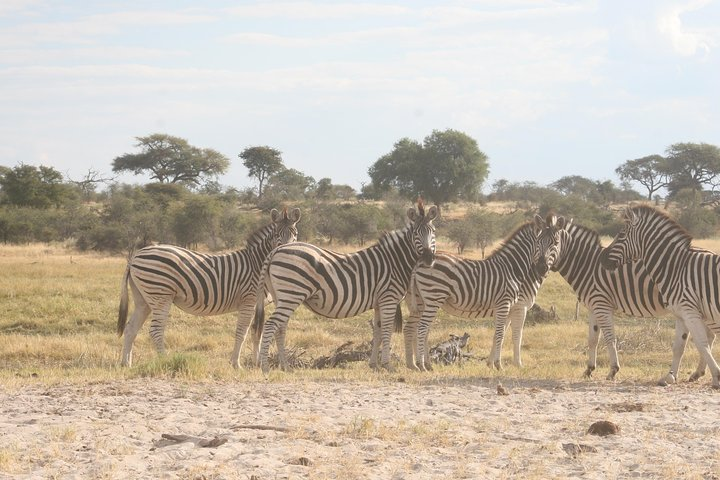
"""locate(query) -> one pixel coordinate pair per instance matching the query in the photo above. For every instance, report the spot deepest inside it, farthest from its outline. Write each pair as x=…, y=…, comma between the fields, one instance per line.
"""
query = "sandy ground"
x=385, y=429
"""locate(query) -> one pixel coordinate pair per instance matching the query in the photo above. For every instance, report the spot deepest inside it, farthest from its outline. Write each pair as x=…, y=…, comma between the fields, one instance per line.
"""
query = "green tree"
x=38, y=187
x=170, y=159
x=650, y=172
x=447, y=166
x=262, y=163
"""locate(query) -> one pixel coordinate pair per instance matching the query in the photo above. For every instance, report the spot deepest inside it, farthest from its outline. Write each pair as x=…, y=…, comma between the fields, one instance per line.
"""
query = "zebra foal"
x=201, y=284
x=338, y=285
x=504, y=285
x=686, y=278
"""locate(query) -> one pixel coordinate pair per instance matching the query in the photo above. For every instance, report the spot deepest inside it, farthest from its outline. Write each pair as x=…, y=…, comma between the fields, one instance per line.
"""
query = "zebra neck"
x=580, y=262
x=397, y=247
x=516, y=255
x=259, y=247
x=664, y=257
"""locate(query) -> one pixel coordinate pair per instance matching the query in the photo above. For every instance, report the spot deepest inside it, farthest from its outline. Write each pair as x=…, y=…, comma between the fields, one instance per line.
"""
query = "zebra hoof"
x=668, y=380
x=696, y=376
x=428, y=367
x=612, y=373
x=497, y=365
x=588, y=372
x=413, y=367
x=387, y=367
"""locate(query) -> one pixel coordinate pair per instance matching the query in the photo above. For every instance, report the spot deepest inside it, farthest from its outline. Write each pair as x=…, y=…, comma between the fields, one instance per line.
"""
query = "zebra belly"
x=345, y=309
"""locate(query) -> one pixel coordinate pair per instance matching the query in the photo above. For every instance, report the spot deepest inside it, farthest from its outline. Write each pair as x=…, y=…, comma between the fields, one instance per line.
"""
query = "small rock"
x=501, y=390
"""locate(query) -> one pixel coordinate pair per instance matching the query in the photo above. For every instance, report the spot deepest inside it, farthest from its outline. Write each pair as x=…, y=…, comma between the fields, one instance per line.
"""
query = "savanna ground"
x=68, y=411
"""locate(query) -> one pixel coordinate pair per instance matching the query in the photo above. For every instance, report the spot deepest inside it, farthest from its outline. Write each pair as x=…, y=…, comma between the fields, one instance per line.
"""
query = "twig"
x=259, y=427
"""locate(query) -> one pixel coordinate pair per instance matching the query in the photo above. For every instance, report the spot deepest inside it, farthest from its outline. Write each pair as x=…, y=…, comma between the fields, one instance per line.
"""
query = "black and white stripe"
x=338, y=285
x=504, y=285
x=686, y=278
x=198, y=283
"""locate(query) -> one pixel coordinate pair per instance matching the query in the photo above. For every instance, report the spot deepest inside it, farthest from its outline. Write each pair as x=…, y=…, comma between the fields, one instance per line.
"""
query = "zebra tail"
x=398, y=320
x=258, y=321
x=123, y=310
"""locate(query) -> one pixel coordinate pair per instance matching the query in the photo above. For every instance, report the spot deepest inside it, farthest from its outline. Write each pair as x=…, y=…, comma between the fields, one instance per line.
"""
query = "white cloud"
x=685, y=40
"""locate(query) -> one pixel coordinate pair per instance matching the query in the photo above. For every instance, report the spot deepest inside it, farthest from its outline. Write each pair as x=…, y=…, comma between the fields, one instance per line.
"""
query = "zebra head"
x=626, y=246
x=552, y=237
x=423, y=232
x=284, y=230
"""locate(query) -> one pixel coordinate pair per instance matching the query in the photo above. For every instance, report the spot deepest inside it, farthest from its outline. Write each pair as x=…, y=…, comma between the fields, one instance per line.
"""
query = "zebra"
x=198, y=283
x=338, y=285
x=686, y=278
x=504, y=285
x=629, y=290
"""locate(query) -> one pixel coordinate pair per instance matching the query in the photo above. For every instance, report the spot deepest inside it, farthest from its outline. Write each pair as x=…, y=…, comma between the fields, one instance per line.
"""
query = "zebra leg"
x=700, y=370
x=410, y=336
x=698, y=330
x=278, y=319
x=139, y=315
x=387, y=323
x=375, y=325
x=517, y=321
x=426, y=320
x=593, y=340
x=605, y=323
x=501, y=315
x=160, y=315
x=245, y=314
x=280, y=343
x=678, y=348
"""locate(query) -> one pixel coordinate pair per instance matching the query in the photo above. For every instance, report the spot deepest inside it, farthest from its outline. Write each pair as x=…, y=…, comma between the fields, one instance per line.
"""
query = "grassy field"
x=59, y=311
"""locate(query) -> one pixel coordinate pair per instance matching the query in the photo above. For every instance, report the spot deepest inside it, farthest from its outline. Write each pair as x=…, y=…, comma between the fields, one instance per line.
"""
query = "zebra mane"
x=509, y=239
x=648, y=211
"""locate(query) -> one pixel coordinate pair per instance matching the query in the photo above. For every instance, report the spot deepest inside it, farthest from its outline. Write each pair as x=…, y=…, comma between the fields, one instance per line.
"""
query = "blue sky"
x=547, y=88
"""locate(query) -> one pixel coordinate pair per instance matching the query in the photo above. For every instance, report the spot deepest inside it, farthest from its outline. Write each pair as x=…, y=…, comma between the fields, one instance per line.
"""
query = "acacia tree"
x=171, y=159
x=447, y=166
x=650, y=172
x=262, y=163
x=692, y=165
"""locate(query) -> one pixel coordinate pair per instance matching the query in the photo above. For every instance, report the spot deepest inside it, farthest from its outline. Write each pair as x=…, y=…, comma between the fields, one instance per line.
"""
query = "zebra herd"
x=649, y=269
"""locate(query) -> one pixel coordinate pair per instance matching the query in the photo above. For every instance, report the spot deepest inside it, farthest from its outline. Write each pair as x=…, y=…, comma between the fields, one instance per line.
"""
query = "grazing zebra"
x=198, y=283
x=685, y=277
x=504, y=285
x=338, y=285
x=628, y=290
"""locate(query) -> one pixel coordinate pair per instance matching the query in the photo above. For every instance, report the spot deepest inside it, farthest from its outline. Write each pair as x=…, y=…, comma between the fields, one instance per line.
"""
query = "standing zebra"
x=504, y=285
x=198, y=283
x=686, y=278
x=344, y=285
x=628, y=290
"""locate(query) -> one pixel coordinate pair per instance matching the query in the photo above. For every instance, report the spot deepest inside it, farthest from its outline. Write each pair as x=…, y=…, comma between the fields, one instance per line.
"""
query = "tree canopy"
x=447, y=166
x=170, y=159
x=262, y=163
x=29, y=186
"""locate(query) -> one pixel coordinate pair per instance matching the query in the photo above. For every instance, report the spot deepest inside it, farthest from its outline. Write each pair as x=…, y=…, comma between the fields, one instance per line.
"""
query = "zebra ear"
x=564, y=224
x=274, y=215
x=295, y=215
x=412, y=214
x=432, y=213
x=539, y=224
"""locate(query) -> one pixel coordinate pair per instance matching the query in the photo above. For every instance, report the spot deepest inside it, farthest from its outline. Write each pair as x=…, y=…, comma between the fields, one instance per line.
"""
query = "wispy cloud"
x=316, y=10
x=86, y=29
